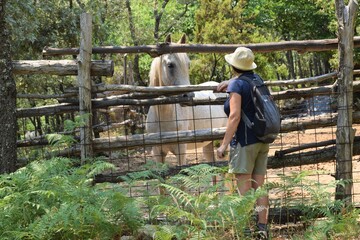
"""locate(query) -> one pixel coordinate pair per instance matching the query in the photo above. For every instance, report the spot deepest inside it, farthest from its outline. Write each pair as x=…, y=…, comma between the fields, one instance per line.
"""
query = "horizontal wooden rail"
x=184, y=100
x=151, y=139
x=157, y=50
x=62, y=67
x=138, y=140
x=139, y=91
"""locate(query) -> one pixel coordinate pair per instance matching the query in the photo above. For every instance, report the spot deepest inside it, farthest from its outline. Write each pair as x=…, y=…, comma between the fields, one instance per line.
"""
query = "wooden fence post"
x=84, y=82
x=346, y=16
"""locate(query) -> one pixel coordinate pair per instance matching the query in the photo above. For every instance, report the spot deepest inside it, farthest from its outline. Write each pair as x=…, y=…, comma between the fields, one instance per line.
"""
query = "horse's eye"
x=170, y=65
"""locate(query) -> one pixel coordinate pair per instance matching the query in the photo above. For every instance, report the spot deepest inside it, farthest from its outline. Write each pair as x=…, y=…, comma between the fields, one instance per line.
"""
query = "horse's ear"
x=168, y=38
x=183, y=39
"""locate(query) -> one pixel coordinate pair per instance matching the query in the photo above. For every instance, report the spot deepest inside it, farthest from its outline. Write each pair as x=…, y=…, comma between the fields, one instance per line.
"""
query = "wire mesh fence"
x=306, y=144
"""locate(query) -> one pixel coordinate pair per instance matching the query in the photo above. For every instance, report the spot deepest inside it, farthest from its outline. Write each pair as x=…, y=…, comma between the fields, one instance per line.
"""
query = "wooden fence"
x=317, y=152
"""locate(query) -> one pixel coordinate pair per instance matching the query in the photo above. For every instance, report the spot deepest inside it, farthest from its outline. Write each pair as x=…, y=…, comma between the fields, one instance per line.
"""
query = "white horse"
x=171, y=70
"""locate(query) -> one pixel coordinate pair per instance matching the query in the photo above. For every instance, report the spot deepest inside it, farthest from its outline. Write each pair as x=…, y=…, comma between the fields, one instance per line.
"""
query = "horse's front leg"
x=208, y=152
x=159, y=154
x=180, y=152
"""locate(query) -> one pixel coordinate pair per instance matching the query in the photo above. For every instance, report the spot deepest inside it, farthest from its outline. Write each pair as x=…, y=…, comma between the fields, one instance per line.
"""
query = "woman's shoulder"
x=235, y=85
x=234, y=82
x=237, y=81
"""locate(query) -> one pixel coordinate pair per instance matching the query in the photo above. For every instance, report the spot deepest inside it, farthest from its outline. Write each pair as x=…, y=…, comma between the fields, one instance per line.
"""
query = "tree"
x=227, y=25
x=297, y=20
x=164, y=19
x=8, y=127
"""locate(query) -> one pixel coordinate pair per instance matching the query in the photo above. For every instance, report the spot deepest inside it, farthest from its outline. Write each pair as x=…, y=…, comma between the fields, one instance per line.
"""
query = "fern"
x=337, y=220
x=197, y=177
x=165, y=232
x=55, y=200
x=153, y=170
x=64, y=140
x=206, y=213
x=59, y=140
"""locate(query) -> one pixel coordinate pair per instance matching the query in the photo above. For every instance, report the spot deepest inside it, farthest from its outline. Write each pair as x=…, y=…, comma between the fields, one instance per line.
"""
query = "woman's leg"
x=243, y=183
x=263, y=202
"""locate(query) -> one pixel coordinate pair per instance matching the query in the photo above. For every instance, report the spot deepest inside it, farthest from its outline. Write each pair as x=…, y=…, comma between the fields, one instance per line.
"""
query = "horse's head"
x=170, y=69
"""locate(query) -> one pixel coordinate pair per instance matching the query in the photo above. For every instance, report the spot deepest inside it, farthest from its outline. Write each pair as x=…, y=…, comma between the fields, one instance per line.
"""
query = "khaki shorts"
x=251, y=159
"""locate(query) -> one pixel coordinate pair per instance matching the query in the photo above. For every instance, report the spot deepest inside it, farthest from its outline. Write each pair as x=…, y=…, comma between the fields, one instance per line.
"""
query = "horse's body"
x=170, y=70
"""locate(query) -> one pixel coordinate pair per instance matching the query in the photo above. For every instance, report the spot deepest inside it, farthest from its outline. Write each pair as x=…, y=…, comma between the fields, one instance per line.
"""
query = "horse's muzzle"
x=189, y=94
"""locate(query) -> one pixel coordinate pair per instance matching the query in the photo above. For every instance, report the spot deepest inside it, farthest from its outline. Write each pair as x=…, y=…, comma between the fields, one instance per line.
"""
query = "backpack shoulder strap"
x=255, y=81
x=246, y=78
x=247, y=121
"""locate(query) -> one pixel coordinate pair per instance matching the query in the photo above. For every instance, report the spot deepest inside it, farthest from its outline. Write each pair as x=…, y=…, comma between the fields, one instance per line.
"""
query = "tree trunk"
x=158, y=15
x=316, y=65
x=327, y=66
x=300, y=68
x=8, y=127
x=290, y=61
x=311, y=66
x=346, y=16
x=136, y=68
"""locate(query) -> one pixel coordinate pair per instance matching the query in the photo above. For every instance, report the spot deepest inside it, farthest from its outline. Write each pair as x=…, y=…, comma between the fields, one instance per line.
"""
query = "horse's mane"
x=154, y=75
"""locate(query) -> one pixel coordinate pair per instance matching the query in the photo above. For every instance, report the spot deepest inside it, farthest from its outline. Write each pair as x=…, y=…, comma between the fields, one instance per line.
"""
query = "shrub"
x=55, y=200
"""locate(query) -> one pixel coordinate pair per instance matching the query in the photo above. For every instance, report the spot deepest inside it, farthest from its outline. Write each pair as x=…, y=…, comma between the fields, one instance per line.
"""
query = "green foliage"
x=325, y=217
x=54, y=200
x=62, y=140
x=152, y=170
x=55, y=23
x=196, y=209
x=228, y=25
x=340, y=222
x=292, y=19
x=36, y=24
x=228, y=22
x=79, y=122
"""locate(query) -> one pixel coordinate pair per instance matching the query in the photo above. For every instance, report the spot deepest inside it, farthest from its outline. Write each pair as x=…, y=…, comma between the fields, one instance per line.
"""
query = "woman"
x=248, y=155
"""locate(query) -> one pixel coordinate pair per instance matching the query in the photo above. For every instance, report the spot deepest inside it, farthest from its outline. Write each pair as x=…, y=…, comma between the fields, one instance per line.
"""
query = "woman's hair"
x=239, y=70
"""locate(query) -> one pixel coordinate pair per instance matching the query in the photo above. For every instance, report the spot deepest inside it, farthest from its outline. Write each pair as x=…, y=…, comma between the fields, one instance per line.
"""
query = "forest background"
x=55, y=23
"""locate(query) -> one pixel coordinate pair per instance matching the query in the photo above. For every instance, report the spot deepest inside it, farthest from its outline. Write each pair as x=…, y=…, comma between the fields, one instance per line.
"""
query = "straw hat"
x=242, y=59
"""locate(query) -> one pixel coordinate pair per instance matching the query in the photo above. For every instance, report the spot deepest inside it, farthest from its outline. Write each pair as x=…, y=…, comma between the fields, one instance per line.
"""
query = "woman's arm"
x=232, y=123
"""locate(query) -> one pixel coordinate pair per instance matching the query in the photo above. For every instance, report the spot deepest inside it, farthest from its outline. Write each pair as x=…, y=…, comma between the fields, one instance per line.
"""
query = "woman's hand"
x=220, y=152
x=222, y=86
